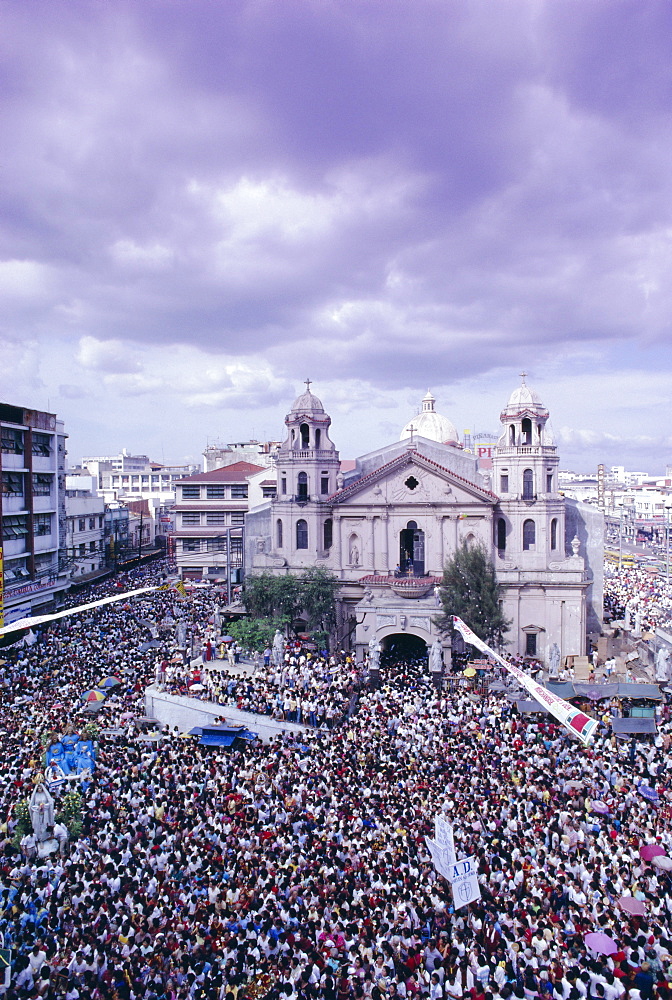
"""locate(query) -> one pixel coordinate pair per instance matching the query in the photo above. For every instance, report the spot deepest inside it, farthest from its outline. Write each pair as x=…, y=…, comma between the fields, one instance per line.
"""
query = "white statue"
x=628, y=617
x=638, y=622
x=41, y=808
x=662, y=665
x=278, y=648
x=435, y=658
x=374, y=654
x=354, y=554
x=181, y=634
x=554, y=662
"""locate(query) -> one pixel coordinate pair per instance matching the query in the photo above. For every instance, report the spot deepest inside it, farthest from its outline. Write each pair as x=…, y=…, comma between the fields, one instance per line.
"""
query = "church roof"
x=307, y=402
x=430, y=424
x=524, y=398
x=408, y=458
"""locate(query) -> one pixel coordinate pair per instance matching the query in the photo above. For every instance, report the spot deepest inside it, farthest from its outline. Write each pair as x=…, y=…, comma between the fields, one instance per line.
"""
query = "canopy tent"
x=633, y=727
x=596, y=691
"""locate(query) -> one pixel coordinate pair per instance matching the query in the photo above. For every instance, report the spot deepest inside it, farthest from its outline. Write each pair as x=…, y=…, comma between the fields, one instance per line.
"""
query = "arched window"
x=301, y=534
x=293, y=437
x=529, y=534
x=554, y=533
x=328, y=533
x=528, y=484
x=302, y=485
x=318, y=437
x=512, y=435
x=278, y=533
x=501, y=534
x=283, y=485
x=305, y=435
x=526, y=429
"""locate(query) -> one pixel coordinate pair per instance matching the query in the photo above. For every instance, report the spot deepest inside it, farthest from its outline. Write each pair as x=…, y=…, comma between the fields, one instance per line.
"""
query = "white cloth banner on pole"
x=575, y=721
x=463, y=877
x=40, y=619
x=443, y=835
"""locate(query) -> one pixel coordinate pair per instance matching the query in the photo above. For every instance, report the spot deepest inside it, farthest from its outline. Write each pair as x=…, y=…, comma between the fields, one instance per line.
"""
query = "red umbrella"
x=650, y=851
x=633, y=906
x=601, y=943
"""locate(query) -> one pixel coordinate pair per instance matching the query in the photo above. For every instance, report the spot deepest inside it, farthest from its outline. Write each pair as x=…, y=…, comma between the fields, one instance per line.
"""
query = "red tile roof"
x=236, y=473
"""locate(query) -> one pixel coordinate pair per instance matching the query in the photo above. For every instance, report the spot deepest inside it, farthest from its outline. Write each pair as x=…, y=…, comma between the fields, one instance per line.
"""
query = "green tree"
x=470, y=590
x=311, y=594
x=318, y=599
x=256, y=633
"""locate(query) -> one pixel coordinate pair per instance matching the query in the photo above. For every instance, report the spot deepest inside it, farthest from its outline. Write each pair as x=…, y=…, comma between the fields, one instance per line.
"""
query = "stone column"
x=336, y=540
x=384, y=548
x=439, y=545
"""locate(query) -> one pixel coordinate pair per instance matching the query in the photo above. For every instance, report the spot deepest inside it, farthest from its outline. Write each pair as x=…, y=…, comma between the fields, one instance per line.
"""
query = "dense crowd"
x=299, y=869
x=647, y=595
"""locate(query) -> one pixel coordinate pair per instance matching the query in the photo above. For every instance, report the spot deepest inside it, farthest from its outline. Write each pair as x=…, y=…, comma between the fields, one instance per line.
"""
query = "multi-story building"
x=85, y=533
x=32, y=512
x=135, y=477
x=116, y=533
x=216, y=456
x=210, y=515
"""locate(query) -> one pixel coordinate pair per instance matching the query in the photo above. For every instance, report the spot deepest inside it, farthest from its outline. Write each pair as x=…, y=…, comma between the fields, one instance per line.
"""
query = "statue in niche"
x=354, y=551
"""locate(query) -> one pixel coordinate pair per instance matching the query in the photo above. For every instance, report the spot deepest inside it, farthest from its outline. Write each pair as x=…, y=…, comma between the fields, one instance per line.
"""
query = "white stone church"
x=387, y=527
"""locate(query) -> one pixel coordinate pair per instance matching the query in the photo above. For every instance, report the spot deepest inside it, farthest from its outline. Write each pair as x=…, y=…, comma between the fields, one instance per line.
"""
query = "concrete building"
x=387, y=527
x=32, y=512
x=210, y=515
x=85, y=534
x=136, y=477
x=216, y=456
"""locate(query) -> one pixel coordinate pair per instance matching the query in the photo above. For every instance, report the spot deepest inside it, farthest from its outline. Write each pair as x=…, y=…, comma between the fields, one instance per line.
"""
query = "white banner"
x=575, y=721
x=463, y=877
x=40, y=619
x=443, y=835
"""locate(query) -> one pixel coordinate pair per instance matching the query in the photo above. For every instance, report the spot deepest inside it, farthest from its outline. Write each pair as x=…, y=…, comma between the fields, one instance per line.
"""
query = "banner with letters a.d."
x=573, y=719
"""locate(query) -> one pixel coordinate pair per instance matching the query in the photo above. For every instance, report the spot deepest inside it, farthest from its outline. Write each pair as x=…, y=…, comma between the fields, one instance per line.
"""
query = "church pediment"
x=413, y=478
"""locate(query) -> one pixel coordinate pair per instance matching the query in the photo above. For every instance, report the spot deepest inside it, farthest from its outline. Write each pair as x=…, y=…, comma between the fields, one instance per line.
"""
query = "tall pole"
x=667, y=541
x=140, y=539
x=228, y=567
x=620, y=539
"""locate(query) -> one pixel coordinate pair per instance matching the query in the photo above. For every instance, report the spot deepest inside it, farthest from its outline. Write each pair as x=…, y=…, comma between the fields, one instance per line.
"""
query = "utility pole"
x=140, y=538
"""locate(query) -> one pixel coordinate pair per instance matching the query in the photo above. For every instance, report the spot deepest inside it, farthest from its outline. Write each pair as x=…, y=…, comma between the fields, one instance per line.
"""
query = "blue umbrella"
x=650, y=794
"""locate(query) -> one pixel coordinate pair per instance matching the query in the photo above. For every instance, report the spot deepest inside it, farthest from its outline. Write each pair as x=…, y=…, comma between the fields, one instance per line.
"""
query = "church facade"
x=387, y=527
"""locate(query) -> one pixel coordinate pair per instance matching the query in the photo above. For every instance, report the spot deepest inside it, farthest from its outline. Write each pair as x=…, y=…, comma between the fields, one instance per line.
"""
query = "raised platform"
x=187, y=713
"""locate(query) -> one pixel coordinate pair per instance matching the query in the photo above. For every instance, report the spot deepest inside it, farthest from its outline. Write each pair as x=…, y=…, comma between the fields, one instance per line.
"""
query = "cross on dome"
x=308, y=384
x=523, y=375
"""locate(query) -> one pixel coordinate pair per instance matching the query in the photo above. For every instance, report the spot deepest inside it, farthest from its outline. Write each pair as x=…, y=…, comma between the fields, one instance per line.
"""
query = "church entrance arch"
x=403, y=647
x=412, y=550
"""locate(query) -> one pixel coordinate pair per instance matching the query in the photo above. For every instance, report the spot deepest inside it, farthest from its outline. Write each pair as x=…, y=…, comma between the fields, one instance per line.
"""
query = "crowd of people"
x=299, y=868
x=637, y=592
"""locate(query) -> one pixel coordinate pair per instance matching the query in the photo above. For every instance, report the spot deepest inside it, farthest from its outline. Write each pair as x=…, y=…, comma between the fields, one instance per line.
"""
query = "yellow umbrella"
x=470, y=672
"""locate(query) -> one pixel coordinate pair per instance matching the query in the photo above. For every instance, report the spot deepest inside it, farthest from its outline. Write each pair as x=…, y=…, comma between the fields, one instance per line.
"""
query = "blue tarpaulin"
x=217, y=740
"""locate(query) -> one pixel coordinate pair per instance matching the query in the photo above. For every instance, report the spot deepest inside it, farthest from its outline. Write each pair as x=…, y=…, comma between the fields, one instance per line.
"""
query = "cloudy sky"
x=203, y=203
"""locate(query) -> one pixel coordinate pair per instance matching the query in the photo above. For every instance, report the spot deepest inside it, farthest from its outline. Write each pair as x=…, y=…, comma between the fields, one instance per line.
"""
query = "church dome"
x=523, y=398
x=307, y=402
x=430, y=424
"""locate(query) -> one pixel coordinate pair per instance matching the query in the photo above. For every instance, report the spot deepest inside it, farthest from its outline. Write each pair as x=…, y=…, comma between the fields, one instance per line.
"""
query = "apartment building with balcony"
x=210, y=517
x=32, y=512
